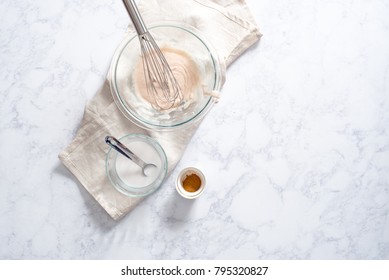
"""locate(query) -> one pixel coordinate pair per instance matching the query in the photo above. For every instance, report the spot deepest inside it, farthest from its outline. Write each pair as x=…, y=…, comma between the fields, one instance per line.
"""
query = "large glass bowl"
x=141, y=112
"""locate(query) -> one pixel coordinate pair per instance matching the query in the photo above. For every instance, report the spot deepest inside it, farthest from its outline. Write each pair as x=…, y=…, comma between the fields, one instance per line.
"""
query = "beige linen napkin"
x=229, y=27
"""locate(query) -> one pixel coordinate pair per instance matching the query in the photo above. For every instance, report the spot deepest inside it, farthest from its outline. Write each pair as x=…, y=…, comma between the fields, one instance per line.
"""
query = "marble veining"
x=296, y=153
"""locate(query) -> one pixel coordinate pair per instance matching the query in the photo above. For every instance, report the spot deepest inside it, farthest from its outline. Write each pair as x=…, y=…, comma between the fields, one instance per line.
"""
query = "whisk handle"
x=135, y=16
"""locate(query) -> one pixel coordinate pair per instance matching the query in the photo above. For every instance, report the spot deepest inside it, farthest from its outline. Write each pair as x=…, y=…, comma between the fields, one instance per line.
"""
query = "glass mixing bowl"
x=140, y=111
x=126, y=176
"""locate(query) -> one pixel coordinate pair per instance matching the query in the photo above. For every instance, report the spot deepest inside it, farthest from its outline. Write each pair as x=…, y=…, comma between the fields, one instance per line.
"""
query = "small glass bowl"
x=171, y=35
x=126, y=176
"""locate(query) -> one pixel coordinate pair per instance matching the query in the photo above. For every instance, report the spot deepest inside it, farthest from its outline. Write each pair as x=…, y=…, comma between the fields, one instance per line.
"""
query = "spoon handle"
x=121, y=148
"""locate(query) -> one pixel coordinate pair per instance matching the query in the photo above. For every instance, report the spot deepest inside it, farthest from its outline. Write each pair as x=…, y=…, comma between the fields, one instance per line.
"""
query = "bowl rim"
x=217, y=63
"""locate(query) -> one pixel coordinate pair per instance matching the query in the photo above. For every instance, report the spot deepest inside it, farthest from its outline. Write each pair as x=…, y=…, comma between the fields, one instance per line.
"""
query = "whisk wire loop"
x=161, y=84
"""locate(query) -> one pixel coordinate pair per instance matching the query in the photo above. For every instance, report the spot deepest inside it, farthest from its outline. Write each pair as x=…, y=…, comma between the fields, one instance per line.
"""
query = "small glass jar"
x=180, y=183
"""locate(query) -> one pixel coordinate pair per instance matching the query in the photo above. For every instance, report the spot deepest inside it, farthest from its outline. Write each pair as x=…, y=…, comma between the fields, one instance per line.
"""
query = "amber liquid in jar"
x=191, y=183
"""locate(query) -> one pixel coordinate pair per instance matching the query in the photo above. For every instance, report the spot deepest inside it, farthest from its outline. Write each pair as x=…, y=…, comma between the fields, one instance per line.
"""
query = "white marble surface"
x=296, y=153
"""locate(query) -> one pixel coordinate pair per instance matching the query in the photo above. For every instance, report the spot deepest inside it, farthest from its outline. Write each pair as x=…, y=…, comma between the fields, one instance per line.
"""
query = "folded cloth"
x=226, y=24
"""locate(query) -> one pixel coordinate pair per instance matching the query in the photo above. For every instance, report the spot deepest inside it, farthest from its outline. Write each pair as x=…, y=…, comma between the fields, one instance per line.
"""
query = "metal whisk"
x=161, y=84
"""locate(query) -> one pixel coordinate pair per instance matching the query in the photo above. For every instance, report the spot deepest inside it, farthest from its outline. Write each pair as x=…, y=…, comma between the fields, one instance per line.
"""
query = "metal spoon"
x=118, y=146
